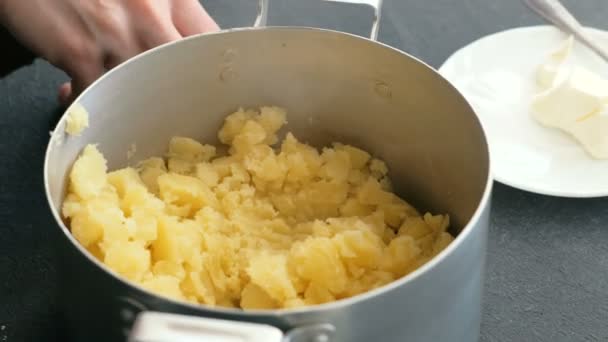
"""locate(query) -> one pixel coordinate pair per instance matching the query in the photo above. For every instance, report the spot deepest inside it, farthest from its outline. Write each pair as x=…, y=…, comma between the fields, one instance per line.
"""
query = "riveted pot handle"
x=164, y=327
x=153, y=326
x=376, y=5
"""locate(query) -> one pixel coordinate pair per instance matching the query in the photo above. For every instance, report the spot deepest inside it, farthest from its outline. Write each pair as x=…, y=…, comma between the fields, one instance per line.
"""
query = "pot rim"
x=234, y=312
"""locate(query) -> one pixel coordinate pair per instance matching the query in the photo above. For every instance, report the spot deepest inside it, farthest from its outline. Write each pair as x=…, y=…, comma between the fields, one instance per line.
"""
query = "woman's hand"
x=87, y=37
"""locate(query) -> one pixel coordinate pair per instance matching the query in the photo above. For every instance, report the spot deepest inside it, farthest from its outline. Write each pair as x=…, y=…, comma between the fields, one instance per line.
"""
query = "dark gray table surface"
x=547, y=271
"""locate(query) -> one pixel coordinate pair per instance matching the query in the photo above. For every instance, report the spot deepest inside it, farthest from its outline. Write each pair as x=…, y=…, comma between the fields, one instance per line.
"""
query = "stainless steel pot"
x=336, y=87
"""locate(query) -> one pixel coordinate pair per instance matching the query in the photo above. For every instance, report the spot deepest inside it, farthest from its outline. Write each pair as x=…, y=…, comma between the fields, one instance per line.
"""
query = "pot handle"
x=164, y=327
x=153, y=326
x=376, y=5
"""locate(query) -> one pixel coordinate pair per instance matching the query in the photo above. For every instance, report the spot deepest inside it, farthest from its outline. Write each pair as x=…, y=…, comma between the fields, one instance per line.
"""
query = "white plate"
x=496, y=75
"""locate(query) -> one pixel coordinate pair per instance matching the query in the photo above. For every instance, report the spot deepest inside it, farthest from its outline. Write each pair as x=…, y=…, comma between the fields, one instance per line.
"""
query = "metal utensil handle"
x=376, y=5
x=556, y=13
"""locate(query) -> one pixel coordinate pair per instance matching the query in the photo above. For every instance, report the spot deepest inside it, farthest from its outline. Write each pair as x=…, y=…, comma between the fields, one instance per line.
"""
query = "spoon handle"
x=554, y=12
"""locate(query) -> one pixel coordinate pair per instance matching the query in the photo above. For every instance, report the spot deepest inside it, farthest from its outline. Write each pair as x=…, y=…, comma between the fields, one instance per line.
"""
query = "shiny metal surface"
x=311, y=333
x=556, y=13
x=336, y=87
x=262, y=16
x=376, y=5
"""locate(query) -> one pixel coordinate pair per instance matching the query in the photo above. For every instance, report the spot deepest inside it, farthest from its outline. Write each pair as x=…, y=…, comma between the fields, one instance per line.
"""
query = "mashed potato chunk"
x=77, y=120
x=270, y=224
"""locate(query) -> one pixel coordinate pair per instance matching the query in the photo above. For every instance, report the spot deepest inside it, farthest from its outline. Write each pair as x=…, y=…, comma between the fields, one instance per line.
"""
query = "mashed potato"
x=257, y=228
x=77, y=120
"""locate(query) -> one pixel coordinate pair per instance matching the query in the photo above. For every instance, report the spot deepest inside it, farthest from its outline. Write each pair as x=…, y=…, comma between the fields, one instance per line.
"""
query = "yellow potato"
x=88, y=176
x=269, y=272
x=164, y=285
x=253, y=297
x=149, y=171
x=260, y=227
x=129, y=259
x=77, y=119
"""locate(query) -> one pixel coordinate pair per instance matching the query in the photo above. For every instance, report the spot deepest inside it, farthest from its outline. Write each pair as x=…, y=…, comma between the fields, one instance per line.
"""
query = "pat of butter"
x=77, y=119
x=592, y=133
x=547, y=72
x=574, y=101
x=575, y=94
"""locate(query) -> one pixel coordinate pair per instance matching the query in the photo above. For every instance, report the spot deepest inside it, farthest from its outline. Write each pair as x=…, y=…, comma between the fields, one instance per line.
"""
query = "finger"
x=113, y=61
x=83, y=74
x=66, y=96
x=111, y=27
x=65, y=93
x=161, y=34
x=152, y=23
x=190, y=18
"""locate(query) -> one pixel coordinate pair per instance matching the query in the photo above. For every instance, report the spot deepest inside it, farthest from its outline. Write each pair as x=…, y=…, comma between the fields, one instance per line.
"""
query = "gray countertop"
x=547, y=272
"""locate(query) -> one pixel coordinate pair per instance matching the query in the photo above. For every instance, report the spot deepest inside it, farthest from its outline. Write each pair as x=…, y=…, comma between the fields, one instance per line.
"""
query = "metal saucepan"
x=336, y=87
